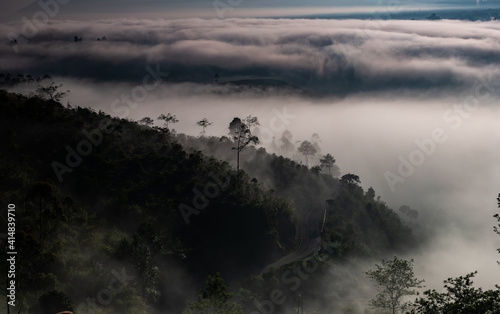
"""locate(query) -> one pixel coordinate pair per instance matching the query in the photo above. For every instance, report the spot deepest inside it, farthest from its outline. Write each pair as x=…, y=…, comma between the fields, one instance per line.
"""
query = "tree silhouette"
x=307, y=149
x=315, y=142
x=168, y=119
x=460, y=297
x=370, y=193
x=234, y=126
x=287, y=146
x=51, y=92
x=394, y=279
x=497, y=227
x=350, y=180
x=327, y=162
x=203, y=123
x=146, y=121
x=242, y=135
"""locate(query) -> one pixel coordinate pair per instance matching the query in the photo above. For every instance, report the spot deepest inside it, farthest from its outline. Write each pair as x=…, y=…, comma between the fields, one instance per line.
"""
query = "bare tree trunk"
x=238, y=155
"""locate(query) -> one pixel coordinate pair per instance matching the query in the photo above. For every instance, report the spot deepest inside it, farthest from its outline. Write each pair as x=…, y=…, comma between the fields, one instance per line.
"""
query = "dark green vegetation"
x=395, y=280
x=460, y=297
x=117, y=217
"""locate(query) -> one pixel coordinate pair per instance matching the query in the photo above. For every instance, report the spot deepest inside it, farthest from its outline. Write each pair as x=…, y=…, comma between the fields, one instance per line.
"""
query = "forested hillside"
x=100, y=198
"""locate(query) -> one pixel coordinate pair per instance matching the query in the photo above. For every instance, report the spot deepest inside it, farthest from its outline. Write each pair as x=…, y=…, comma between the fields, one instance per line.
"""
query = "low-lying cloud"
x=324, y=56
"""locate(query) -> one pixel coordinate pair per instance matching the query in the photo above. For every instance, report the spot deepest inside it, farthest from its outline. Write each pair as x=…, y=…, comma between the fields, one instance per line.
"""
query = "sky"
x=222, y=8
x=10, y=7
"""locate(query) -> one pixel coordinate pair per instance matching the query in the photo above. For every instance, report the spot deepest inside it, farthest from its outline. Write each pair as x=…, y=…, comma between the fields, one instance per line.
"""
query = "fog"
x=373, y=91
x=454, y=189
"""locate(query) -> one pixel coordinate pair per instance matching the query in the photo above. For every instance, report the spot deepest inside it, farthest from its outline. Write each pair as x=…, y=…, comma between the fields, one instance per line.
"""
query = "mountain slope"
x=133, y=180
x=97, y=194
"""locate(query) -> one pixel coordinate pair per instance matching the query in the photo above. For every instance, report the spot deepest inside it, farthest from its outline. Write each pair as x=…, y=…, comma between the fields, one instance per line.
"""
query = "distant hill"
x=267, y=85
x=453, y=14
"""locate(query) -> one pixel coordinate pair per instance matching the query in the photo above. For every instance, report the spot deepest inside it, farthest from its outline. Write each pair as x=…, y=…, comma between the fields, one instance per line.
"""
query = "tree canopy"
x=169, y=118
x=395, y=280
x=214, y=299
x=242, y=135
x=51, y=92
x=460, y=296
x=119, y=211
x=307, y=149
x=327, y=162
x=204, y=123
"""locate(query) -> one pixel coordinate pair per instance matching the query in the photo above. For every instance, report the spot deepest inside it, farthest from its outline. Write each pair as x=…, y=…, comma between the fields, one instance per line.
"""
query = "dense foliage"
x=395, y=280
x=135, y=218
x=460, y=297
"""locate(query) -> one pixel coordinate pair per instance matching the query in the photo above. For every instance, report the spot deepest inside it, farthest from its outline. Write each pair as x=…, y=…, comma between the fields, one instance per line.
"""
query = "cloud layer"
x=324, y=56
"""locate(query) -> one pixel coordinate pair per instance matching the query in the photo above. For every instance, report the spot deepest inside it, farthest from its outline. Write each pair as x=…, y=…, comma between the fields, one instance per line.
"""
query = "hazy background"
x=369, y=89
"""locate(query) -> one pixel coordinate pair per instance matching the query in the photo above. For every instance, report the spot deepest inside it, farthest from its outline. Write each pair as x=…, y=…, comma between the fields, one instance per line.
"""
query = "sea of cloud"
x=324, y=56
